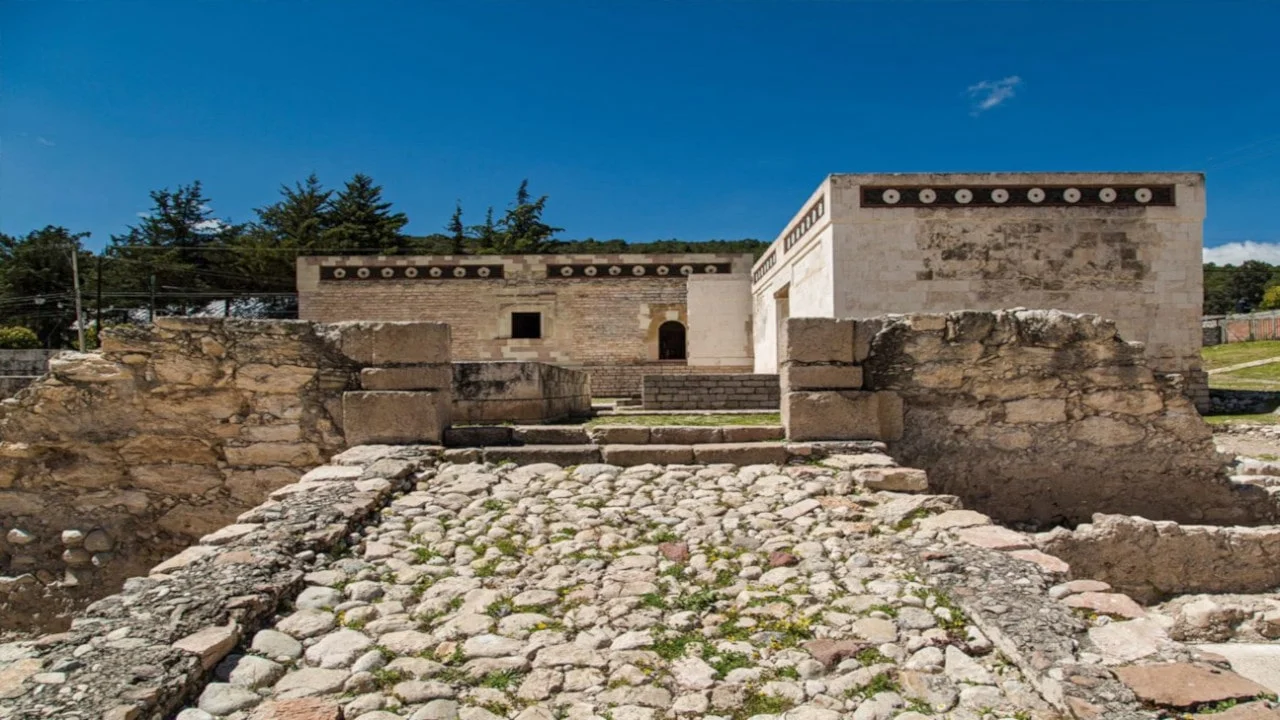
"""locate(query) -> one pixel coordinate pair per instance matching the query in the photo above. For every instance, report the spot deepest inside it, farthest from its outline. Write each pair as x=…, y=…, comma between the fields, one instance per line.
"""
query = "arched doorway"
x=671, y=341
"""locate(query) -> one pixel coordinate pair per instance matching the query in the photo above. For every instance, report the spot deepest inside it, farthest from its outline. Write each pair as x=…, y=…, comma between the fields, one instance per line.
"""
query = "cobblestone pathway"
x=594, y=592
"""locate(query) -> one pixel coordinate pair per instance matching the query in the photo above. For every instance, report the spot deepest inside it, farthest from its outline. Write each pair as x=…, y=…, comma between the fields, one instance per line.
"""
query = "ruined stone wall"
x=18, y=368
x=1030, y=416
x=710, y=392
x=1154, y=560
x=117, y=459
x=627, y=381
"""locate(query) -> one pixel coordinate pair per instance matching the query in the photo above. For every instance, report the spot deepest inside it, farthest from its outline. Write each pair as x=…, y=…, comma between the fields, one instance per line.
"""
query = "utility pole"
x=75, y=279
x=97, y=324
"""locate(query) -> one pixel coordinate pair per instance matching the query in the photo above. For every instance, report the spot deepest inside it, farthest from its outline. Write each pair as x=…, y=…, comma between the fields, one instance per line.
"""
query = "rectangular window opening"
x=526, y=325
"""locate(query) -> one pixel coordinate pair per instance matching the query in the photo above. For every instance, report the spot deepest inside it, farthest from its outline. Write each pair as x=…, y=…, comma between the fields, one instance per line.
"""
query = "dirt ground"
x=1258, y=441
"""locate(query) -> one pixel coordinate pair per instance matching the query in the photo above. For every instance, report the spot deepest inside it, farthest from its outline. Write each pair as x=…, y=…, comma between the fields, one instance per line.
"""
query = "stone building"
x=1126, y=246
x=618, y=317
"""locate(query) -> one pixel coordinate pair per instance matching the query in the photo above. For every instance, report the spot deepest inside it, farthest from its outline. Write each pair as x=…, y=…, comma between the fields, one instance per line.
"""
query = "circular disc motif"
x=1000, y=195
x=1035, y=195
x=566, y=271
x=615, y=270
x=964, y=196
x=435, y=272
x=928, y=195
x=590, y=271
x=339, y=273
x=891, y=196
x=362, y=272
x=637, y=270
x=686, y=269
x=1107, y=195
x=1142, y=195
x=663, y=270
x=411, y=272
x=1071, y=195
x=710, y=270
x=388, y=272
x=459, y=272
x=483, y=272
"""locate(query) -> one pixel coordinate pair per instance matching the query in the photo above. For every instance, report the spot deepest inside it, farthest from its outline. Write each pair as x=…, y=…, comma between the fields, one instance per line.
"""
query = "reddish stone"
x=831, y=652
x=1048, y=563
x=1113, y=604
x=993, y=537
x=1185, y=685
x=1083, y=709
x=675, y=552
x=303, y=709
x=778, y=558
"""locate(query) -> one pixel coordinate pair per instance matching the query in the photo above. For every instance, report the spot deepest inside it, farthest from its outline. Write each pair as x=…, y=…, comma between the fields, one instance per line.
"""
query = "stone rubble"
x=650, y=591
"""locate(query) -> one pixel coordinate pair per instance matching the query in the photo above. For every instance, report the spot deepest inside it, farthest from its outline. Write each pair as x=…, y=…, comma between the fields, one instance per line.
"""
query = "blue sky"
x=641, y=119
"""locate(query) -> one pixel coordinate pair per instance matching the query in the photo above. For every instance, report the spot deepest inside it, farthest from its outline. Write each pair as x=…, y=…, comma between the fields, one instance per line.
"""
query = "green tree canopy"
x=36, y=287
x=362, y=223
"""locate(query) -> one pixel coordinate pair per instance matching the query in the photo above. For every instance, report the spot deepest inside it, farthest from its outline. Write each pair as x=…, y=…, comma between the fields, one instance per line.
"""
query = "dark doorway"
x=526, y=325
x=671, y=341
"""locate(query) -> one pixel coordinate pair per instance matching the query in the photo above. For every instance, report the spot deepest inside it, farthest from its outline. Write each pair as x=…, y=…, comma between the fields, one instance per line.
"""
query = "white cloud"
x=210, y=225
x=45, y=141
x=1237, y=252
x=988, y=94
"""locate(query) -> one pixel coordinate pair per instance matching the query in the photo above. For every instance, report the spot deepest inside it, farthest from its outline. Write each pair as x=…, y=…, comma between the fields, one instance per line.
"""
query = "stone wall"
x=25, y=362
x=19, y=368
x=117, y=459
x=526, y=392
x=1125, y=246
x=710, y=392
x=1031, y=416
x=627, y=381
x=1154, y=560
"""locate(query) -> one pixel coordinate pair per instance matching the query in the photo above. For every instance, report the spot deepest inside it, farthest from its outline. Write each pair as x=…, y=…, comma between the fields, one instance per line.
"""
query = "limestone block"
x=394, y=343
x=423, y=377
x=394, y=417
x=628, y=455
x=1106, y=432
x=253, y=486
x=195, y=521
x=152, y=449
x=820, y=377
x=87, y=367
x=282, y=453
x=893, y=479
x=864, y=332
x=842, y=415
x=274, y=378
x=620, y=434
x=1126, y=402
x=175, y=478
x=1036, y=410
x=819, y=340
x=185, y=370
x=211, y=644
x=741, y=453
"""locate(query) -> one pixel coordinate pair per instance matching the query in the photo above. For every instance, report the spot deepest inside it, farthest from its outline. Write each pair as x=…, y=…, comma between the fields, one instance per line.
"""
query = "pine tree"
x=362, y=222
x=179, y=244
x=488, y=238
x=266, y=253
x=457, y=231
x=522, y=230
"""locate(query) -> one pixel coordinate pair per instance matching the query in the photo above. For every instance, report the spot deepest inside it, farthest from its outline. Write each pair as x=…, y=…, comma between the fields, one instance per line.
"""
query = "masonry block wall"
x=710, y=392
x=119, y=458
x=1121, y=245
x=524, y=392
x=1029, y=415
x=593, y=311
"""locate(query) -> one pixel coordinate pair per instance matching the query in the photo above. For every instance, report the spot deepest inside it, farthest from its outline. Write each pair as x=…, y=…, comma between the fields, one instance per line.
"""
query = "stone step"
x=516, y=435
x=627, y=455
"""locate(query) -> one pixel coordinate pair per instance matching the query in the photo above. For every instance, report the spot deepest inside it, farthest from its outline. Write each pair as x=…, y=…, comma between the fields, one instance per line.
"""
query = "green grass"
x=1264, y=419
x=1235, y=353
x=699, y=420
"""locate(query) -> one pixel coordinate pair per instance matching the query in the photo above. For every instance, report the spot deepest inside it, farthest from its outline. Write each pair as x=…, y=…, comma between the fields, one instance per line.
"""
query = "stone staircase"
x=627, y=445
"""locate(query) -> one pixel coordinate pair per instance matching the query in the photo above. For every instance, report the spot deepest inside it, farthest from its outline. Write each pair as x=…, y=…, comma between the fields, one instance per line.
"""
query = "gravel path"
x=538, y=592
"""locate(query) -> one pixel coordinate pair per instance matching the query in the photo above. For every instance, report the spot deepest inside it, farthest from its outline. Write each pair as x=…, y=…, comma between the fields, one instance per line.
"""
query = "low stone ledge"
x=130, y=664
